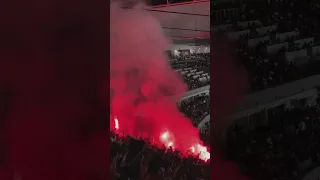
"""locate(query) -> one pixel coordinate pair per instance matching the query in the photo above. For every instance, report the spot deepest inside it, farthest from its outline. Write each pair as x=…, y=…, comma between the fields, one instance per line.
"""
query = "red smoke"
x=55, y=128
x=144, y=89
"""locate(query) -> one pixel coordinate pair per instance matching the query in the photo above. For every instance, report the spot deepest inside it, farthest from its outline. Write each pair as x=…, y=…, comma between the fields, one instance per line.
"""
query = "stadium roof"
x=187, y=21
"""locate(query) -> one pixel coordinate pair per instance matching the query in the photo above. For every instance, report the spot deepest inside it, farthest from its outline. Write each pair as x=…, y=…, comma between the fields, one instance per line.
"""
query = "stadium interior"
x=187, y=26
x=275, y=131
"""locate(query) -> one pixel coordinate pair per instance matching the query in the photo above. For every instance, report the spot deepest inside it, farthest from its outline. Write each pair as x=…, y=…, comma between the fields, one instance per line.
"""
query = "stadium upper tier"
x=275, y=46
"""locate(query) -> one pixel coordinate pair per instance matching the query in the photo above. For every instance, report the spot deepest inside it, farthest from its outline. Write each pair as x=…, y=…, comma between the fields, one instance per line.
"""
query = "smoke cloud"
x=144, y=88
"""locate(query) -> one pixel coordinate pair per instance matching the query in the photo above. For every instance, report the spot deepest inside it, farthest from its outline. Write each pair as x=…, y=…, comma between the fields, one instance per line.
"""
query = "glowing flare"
x=170, y=144
x=165, y=136
x=204, y=154
x=193, y=149
x=116, y=123
x=141, y=83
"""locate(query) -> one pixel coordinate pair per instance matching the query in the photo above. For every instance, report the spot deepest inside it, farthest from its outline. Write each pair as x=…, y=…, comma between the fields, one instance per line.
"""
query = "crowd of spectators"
x=196, y=107
x=265, y=72
x=194, y=68
x=265, y=69
x=287, y=147
x=193, y=56
x=139, y=160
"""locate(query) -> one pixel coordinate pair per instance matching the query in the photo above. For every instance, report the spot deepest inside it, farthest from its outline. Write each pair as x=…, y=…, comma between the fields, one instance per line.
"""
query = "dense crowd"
x=287, y=147
x=265, y=72
x=195, y=71
x=196, y=107
x=139, y=160
x=265, y=69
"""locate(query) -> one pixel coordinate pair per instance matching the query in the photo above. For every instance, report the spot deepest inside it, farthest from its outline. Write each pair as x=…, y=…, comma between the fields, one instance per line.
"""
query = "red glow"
x=116, y=123
x=164, y=136
x=144, y=88
x=168, y=140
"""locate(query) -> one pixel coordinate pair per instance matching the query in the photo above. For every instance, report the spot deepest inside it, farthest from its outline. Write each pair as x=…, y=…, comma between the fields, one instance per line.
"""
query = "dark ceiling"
x=162, y=2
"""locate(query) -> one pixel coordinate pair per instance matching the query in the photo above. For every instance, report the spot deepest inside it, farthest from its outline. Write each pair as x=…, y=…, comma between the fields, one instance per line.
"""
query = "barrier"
x=316, y=50
x=204, y=121
x=296, y=55
x=264, y=30
x=233, y=36
x=274, y=97
x=280, y=92
x=273, y=49
x=252, y=43
x=299, y=43
x=283, y=36
x=188, y=94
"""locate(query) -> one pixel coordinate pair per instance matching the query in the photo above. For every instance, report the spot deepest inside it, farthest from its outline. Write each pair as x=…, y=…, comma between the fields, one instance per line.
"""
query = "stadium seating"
x=281, y=48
